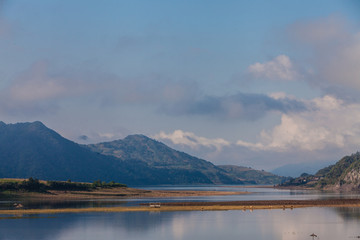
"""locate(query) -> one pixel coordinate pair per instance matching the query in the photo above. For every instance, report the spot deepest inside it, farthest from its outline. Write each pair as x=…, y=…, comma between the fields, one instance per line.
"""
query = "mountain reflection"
x=297, y=224
x=348, y=213
x=54, y=226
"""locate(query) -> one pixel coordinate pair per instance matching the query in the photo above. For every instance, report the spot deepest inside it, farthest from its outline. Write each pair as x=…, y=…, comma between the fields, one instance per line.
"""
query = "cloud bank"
x=189, y=139
x=331, y=124
x=240, y=106
x=280, y=68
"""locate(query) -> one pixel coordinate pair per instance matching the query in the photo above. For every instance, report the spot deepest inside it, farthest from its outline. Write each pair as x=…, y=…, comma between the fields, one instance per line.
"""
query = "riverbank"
x=197, y=206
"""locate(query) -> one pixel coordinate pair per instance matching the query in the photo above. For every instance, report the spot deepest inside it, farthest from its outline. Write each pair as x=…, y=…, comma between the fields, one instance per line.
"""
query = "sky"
x=254, y=83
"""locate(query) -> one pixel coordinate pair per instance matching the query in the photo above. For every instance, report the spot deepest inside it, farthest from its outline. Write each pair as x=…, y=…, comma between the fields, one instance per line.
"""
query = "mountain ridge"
x=33, y=150
x=30, y=149
x=160, y=156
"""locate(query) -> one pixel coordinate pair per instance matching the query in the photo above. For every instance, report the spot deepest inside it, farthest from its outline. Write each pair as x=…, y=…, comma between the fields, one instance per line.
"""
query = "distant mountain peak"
x=142, y=139
x=37, y=123
x=31, y=149
x=137, y=137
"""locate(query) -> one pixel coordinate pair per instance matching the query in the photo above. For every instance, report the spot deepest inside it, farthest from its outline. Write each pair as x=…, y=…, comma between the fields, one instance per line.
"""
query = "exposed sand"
x=118, y=193
x=198, y=206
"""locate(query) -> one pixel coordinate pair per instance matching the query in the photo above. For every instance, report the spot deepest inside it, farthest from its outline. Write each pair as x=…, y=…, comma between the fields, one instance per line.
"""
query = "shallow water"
x=327, y=223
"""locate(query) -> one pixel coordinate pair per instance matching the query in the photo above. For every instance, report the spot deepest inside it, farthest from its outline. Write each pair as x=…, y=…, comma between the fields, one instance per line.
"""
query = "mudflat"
x=196, y=206
x=120, y=192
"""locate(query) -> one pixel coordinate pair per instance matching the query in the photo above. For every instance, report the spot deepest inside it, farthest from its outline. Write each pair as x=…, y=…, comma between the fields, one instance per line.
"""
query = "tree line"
x=34, y=185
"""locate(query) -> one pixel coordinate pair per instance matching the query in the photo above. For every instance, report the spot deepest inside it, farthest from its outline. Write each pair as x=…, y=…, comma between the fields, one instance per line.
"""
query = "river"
x=326, y=223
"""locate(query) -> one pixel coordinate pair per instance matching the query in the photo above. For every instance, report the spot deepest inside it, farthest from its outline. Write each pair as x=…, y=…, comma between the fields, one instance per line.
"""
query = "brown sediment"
x=252, y=186
x=122, y=193
x=198, y=206
x=310, y=202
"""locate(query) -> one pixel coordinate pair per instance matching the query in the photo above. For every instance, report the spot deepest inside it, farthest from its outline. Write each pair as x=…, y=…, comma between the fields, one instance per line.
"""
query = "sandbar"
x=198, y=206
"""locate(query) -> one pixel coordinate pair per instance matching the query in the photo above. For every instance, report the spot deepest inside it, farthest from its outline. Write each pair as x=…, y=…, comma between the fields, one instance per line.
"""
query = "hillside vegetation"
x=159, y=156
x=344, y=175
x=252, y=176
x=34, y=185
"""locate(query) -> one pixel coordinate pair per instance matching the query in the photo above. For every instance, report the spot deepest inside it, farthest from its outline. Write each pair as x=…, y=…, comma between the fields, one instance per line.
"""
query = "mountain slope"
x=33, y=150
x=343, y=175
x=160, y=157
x=252, y=176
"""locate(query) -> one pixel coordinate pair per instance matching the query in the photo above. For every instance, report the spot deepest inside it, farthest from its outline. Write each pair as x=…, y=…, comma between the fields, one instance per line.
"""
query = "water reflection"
x=348, y=213
x=327, y=223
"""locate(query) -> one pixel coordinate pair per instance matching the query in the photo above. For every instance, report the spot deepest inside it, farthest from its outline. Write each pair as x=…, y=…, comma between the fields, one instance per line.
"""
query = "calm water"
x=327, y=223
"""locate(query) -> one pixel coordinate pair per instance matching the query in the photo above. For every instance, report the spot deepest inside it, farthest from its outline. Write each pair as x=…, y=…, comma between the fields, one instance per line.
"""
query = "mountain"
x=158, y=156
x=252, y=176
x=33, y=150
x=344, y=175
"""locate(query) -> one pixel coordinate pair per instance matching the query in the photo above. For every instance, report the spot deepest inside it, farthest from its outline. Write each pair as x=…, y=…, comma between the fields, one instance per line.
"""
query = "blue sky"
x=254, y=83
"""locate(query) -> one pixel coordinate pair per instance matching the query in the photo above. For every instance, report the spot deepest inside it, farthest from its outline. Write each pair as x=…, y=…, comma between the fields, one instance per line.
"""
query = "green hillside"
x=344, y=175
x=252, y=176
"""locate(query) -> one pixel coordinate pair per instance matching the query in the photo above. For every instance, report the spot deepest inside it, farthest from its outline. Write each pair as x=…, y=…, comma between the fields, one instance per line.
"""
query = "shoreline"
x=197, y=206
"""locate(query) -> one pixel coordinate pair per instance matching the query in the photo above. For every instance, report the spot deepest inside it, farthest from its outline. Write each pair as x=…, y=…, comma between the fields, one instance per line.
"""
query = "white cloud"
x=191, y=140
x=331, y=123
x=280, y=68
